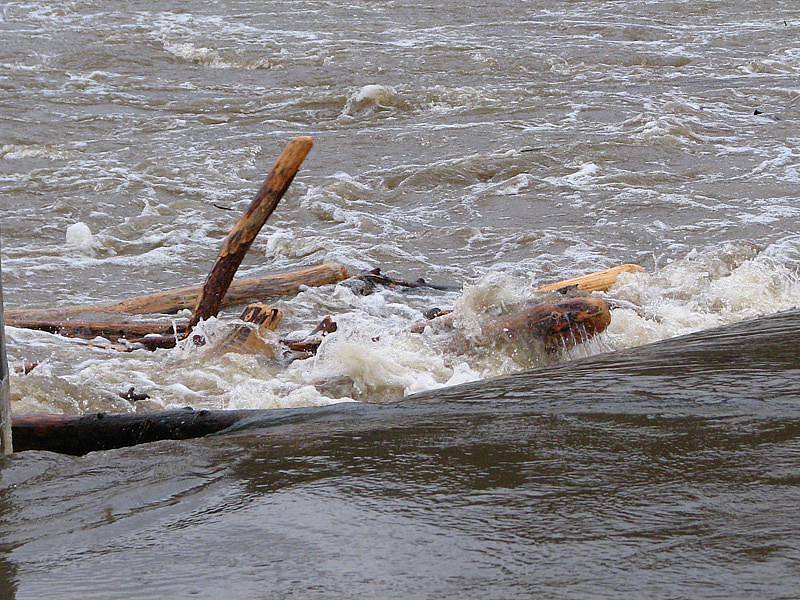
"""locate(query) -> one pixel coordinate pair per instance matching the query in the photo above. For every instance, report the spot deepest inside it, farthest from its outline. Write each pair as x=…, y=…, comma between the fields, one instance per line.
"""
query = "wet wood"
x=556, y=325
x=241, y=291
x=79, y=435
x=244, y=232
x=600, y=281
x=307, y=347
x=249, y=339
x=113, y=330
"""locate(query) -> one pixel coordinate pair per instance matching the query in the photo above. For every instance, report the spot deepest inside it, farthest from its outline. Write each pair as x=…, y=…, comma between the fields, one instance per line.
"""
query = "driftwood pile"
x=556, y=324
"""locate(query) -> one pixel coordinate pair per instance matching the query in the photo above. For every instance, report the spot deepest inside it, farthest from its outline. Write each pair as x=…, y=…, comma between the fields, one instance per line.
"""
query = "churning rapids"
x=493, y=146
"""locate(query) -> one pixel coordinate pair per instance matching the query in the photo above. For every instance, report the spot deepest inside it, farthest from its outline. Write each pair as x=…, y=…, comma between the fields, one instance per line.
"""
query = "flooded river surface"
x=491, y=147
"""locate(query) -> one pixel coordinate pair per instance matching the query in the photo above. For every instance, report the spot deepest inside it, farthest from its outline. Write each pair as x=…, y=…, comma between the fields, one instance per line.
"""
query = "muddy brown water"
x=496, y=145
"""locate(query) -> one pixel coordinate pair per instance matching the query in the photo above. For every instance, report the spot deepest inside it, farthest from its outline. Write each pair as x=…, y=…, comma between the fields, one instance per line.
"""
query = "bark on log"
x=78, y=435
x=241, y=291
x=557, y=325
x=244, y=232
x=600, y=281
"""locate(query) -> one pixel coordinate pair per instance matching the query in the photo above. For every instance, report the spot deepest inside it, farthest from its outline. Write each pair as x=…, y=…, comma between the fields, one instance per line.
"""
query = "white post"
x=5, y=398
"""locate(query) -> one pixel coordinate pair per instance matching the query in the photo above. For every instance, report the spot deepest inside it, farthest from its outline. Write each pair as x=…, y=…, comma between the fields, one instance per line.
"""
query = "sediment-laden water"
x=492, y=147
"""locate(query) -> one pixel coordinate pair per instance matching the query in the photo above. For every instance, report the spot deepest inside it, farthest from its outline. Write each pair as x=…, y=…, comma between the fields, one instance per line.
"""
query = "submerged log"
x=81, y=434
x=241, y=291
x=245, y=231
x=600, y=281
x=556, y=325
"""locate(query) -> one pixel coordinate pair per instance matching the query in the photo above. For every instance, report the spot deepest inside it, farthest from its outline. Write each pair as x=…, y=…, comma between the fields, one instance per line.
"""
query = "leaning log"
x=245, y=231
x=241, y=291
x=81, y=434
x=600, y=281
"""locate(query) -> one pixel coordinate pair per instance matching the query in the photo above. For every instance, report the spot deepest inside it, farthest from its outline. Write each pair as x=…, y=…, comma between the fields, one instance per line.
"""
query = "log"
x=112, y=330
x=600, y=281
x=77, y=435
x=242, y=291
x=244, y=232
x=556, y=325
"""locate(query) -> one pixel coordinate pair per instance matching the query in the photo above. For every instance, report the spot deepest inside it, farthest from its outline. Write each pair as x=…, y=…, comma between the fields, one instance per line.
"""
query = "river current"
x=492, y=147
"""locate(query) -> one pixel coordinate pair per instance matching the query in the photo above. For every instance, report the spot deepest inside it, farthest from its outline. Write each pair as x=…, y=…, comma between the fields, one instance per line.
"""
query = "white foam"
x=372, y=98
x=79, y=238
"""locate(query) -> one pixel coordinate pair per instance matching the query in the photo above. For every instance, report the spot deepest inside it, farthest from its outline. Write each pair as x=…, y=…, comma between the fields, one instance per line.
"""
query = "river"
x=493, y=147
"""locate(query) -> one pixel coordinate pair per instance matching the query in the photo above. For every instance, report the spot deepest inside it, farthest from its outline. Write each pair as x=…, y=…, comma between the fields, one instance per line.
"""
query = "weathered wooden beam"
x=245, y=231
x=81, y=434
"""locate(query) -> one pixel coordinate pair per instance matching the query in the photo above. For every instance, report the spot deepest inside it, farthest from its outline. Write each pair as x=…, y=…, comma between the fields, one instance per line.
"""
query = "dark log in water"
x=557, y=325
x=78, y=435
x=245, y=231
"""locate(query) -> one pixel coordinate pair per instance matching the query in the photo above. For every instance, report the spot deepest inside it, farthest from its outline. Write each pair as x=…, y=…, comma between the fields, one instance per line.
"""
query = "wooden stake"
x=6, y=446
x=244, y=232
x=600, y=281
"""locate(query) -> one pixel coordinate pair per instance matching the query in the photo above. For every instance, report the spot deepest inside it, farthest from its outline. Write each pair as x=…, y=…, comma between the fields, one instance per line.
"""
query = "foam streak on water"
x=494, y=146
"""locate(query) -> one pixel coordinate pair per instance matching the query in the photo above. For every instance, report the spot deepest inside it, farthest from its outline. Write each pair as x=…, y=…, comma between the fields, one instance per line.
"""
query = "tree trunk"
x=111, y=330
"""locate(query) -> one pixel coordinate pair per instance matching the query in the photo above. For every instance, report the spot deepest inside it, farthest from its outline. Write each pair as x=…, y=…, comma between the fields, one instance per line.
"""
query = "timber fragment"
x=599, y=281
